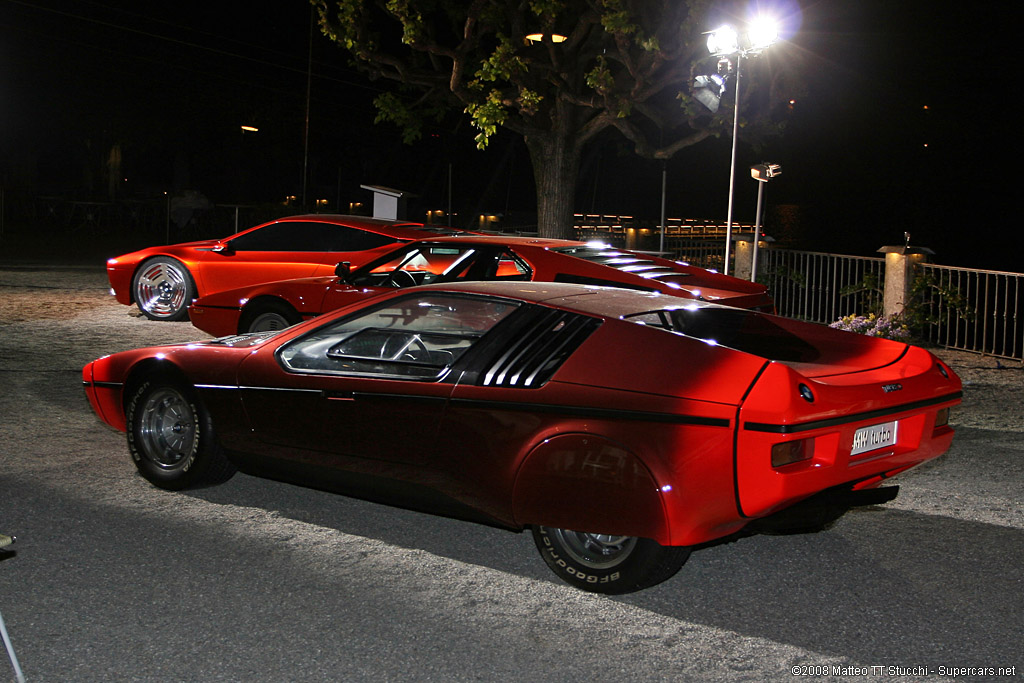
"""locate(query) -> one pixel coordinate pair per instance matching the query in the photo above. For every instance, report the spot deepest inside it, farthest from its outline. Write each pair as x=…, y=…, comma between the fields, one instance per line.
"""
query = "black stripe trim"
x=103, y=385
x=586, y=411
x=329, y=393
x=551, y=409
x=398, y=397
x=832, y=422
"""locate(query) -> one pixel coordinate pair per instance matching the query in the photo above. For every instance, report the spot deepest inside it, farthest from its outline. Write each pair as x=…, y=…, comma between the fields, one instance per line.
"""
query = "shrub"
x=886, y=326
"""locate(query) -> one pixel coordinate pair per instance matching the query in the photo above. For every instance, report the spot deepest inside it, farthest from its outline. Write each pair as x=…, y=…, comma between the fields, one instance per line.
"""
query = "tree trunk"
x=556, y=165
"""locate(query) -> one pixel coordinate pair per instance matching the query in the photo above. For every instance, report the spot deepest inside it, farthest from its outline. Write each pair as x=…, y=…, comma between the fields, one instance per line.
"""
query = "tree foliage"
x=625, y=65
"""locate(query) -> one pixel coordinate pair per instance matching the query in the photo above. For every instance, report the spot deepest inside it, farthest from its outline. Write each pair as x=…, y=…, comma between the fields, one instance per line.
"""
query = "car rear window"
x=735, y=328
x=636, y=264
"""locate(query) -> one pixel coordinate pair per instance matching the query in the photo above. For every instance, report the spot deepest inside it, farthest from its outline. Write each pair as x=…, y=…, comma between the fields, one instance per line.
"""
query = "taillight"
x=789, y=452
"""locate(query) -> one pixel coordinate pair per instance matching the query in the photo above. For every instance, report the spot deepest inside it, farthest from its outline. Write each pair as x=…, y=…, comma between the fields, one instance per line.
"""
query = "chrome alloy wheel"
x=162, y=289
x=169, y=429
x=597, y=551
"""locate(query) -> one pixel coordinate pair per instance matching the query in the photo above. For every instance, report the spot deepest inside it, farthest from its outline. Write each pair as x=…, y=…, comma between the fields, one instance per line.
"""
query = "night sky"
x=863, y=159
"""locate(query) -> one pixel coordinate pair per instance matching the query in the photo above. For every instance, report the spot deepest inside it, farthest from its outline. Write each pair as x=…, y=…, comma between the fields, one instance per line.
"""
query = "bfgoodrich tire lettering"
x=171, y=438
x=603, y=563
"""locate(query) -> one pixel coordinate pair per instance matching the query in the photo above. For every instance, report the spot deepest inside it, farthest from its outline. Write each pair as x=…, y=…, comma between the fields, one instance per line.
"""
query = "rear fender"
x=588, y=483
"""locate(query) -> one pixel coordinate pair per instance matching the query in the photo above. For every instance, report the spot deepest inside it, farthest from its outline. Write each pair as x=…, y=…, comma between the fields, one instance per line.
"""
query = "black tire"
x=171, y=438
x=268, y=317
x=607, y=564
x=163, y=289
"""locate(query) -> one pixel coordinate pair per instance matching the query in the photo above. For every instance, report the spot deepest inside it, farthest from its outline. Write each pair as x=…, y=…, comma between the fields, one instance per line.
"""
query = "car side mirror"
x=223, y=248
x=343, y=270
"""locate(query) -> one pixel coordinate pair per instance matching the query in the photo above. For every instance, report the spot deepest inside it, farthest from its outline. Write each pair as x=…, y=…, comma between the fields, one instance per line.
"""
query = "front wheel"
x=605, y=563
x=171, y=439
x=163, y=289
x=268, y=318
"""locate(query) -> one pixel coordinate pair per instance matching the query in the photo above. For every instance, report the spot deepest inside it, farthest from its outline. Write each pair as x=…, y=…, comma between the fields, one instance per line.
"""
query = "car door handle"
x=339, y=395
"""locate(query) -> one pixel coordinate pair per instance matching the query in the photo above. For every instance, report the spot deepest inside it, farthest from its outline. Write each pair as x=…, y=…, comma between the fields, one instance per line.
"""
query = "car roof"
x=405, y=229
x=509, y=240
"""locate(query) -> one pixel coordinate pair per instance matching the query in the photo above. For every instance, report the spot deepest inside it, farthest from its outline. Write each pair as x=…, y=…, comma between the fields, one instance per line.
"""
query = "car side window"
x=416, y=337
x=492, y=264
x=309, y=236
x=419, y=265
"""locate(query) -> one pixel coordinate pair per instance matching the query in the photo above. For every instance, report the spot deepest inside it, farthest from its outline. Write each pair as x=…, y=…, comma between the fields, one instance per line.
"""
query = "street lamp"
x=726, y=42
x=761, y=173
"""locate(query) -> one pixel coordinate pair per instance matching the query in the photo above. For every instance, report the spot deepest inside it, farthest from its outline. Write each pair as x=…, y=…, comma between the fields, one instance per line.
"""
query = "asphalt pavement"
x=256, y=580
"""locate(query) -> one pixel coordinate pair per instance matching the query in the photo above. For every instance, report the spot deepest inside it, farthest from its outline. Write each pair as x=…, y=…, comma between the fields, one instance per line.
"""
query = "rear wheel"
x=605, y=563
x=171, y=438
x=163, y=289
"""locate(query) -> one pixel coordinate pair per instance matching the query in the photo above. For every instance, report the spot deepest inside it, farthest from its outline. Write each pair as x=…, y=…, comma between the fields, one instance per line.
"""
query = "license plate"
x=871, y=438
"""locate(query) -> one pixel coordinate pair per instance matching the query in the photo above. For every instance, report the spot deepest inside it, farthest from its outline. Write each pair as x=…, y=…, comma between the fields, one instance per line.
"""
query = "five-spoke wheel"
x=163, y=289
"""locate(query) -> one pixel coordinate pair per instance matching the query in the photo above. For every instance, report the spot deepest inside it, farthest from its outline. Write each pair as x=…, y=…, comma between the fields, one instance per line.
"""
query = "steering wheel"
x=411, y=350
x=402, y=278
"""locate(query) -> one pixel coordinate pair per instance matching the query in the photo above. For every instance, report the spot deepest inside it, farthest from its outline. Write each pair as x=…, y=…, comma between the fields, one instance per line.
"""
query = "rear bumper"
x=762, y=489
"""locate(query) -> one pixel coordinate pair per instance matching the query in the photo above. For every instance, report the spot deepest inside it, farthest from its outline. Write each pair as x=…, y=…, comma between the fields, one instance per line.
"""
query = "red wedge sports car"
x=622, y=427
x=275, y=305
x=164, y=280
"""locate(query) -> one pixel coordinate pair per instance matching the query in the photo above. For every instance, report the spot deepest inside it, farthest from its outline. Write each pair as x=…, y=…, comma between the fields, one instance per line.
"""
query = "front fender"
x=588, y=483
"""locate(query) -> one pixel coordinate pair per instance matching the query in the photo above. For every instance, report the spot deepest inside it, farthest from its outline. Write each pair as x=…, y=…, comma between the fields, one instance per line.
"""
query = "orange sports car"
x=164, y=280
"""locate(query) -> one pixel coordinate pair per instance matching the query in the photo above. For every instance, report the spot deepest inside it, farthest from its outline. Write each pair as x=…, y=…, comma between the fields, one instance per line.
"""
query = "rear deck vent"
x=538, y=351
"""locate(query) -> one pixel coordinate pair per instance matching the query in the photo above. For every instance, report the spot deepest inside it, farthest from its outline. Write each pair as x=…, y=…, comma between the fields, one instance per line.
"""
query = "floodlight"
x=762, y=32
x=723, y=41
x=708, y=91
x=765, y=172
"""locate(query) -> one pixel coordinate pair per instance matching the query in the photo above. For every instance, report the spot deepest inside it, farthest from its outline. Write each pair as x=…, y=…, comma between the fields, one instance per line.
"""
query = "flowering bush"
x=887, y=326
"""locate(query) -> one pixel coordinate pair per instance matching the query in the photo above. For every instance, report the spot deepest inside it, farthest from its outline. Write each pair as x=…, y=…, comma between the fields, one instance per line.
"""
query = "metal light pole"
x=732, y=166
x=664, y=183
x=761, y=173
x=725, y=42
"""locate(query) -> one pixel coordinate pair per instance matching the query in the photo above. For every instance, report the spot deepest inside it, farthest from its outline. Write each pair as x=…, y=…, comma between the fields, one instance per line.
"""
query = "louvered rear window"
x=533, y=356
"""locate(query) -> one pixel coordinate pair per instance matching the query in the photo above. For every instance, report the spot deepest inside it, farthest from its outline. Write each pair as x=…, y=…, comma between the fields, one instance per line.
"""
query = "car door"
x=371, y=386
x=286, y=250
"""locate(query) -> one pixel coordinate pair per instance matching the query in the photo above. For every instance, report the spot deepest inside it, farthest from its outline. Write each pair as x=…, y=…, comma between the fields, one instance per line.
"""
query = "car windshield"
x=735, y=328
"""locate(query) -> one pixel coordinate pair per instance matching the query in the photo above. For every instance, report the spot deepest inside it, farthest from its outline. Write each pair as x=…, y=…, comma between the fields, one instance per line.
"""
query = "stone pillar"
x=744, y=250
x=631, y=239
x=899, y=275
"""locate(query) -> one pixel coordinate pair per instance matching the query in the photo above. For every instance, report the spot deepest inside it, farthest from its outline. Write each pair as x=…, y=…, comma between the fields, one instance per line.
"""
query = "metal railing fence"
x=980, y=311
x=973, y=310
x=821, y=287
x=697, y=252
